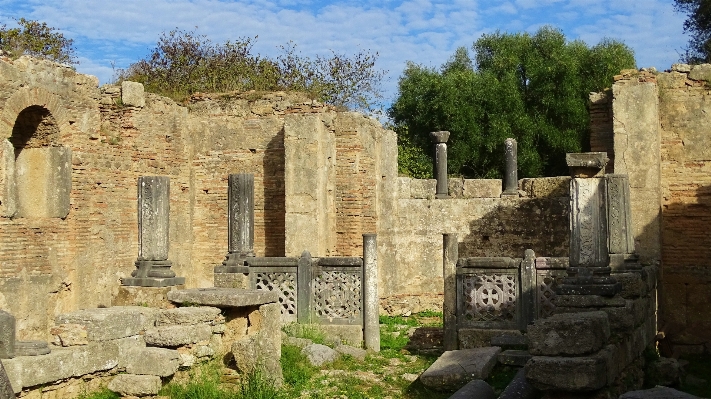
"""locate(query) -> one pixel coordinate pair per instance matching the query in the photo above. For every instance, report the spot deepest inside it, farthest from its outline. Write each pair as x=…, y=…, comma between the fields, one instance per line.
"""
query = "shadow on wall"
x=518, y=224
x=685, y=284
x=274, y=197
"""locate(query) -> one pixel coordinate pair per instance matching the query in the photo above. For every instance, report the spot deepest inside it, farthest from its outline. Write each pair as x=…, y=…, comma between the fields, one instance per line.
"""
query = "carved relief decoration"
x=337, y=294
x=489, y=297
x=285, y=285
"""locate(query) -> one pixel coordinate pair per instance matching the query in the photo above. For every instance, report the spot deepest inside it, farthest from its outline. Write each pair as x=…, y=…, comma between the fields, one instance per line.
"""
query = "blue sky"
x=427, y=32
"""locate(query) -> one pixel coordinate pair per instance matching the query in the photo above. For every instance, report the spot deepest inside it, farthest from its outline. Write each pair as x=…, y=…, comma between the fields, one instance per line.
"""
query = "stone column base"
x=152, y=281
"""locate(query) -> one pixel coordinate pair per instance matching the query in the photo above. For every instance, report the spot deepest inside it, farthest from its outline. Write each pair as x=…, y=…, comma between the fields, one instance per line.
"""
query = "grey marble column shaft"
x=440, y=140
x=450, y=255
x=241, y=214
x=371, y=299
x=619, y=214
x=511, y=177
x=152, y=265
x=7, y=335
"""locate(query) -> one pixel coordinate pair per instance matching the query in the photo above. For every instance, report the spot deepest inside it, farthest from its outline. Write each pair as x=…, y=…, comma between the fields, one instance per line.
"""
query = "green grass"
x=307, y=331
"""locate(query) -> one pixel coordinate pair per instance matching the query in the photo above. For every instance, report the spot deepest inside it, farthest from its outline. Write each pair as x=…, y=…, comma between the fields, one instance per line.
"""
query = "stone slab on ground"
x=319, y=355
x=357, y=353
x=103, y=324
x=658, y=393
x=582, y=373
x=135, y=385
x=478, y=389
x=455, y=368
x=223, y=297
x=514, y=357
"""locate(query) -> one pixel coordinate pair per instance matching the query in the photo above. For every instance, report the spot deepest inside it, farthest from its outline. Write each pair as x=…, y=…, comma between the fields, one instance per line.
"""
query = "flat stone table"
x=223, y=297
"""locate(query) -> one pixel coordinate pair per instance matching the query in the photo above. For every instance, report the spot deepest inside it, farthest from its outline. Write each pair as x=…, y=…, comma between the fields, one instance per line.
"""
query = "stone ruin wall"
x=662, y=120
x=54, y=265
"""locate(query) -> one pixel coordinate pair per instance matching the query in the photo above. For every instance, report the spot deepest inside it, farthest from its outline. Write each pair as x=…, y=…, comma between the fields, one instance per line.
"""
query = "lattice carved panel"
x=337, y=294
x=284, y=284
x=489, y=297
x=547, y=283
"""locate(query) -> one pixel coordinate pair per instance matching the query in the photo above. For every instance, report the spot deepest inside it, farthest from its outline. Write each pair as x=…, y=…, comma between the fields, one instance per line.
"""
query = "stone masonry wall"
x=661, y=140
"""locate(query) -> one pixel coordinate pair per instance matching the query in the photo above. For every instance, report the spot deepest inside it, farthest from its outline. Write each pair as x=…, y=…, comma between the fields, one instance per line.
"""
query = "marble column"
x=511, y=176
x=440, y=166
x=371, y=299
x=153, y=269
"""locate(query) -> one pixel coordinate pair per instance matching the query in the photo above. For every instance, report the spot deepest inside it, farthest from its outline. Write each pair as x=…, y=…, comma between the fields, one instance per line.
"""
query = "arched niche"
x=37, y=167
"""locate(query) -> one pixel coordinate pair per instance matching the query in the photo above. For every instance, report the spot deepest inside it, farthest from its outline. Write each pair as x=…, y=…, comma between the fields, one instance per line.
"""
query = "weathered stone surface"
x=7, y=335
x=658, y=393
x=6, y=391
x=346, y=334
x=189, y=315
x=61, y=363
x=569, y=334
x=482, y=188
x=126, y=347
x=132, y=94
x=240, y=217
x=136, y=385
x=511, y=160
x=148, y=297
x=546, y=187
x=43, y=182
x=633, y=286
x=519, y=388
x=455, y=368
x=684, y=68
x=356, y=353
x=223, y=297
x=153, y=218
x=69, y=334
x=153, y=361
x=663, y=371
x=319, y=355
x=103, y=324
x=700, y=72
x=423, y=188
x=584, y=373
x=298, y=342
x=478, y=389
x=588, y=235
x=262, y=346
x=619, y=214
x=177, y=335
x=31, y=348
x=514, y=357
x=480, y=338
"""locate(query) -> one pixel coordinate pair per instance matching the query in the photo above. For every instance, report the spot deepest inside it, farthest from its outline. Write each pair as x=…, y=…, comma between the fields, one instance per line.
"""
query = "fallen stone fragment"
x=319, y=355
x=454, y=369
x=135, y=385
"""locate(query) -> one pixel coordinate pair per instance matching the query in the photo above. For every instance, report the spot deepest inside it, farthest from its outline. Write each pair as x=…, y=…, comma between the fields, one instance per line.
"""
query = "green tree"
x=533, y=88
x=698, y=25
x=184, y=62
x=38, y=40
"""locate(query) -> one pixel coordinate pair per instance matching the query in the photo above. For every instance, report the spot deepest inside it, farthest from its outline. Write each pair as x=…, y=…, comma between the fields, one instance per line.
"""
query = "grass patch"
x=307, y=331
x=296, y=368
x=104, y=393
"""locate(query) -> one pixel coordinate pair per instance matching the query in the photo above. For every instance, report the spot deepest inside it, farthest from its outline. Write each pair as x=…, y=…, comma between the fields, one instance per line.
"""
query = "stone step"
x=514, y=357
x=510, y=341
x=454, y=369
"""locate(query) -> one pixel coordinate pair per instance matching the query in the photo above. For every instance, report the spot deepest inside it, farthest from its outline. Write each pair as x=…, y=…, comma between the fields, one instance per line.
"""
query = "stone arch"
x=28, y=97
x=37, y=168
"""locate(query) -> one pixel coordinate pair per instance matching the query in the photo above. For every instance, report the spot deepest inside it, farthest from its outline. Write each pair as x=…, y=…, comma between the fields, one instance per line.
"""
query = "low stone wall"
x=132, y=347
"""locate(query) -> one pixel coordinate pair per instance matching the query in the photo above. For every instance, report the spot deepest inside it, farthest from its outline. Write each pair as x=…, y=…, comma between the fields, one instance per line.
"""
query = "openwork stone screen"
x=323, y=290
x=504, y=293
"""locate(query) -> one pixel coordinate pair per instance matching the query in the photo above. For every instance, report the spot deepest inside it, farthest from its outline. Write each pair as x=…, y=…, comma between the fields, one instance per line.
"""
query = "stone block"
x=6, y=391
x=189, y=316
x=356, y=353
x=478, y=389
x=569, y=334
x=61, y=363
x=178, y=335
x=482, y=188
x=126, y=346
x=223, y=297
x=153, y=361
x=480, y=338
x=456, y=368
x=345, y=334
x=318, y=354
x=700, y=72
x=403, y=187
x=584, y=373
x=423, y=188
x=132, y=94
x=586, y=164
x=455, y=187
x=546, y=187
x=658, y=393
x=69, y=334
x=230, y=280
x=633, y=286
x=135, y=385
x=514, y=357
x=7, y=335
x=31, y=348
x=104, y=324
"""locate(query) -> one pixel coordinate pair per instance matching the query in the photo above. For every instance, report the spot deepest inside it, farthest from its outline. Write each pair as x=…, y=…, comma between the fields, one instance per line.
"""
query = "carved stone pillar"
x=511, y=177
x=152, y=265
